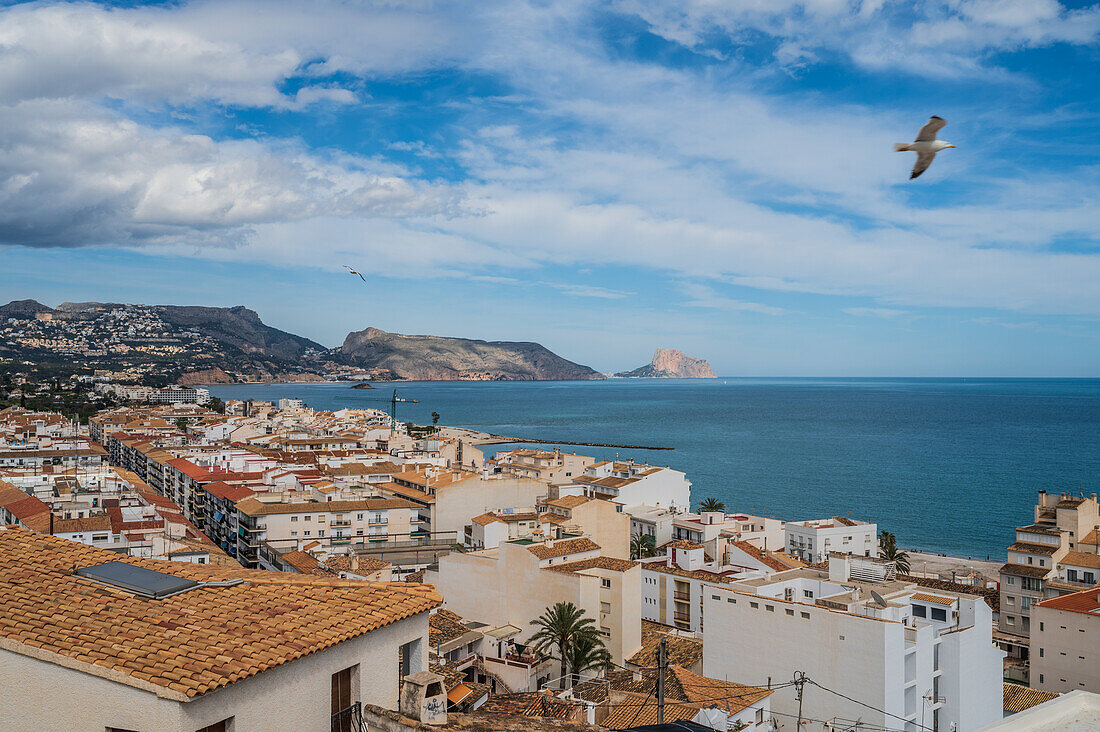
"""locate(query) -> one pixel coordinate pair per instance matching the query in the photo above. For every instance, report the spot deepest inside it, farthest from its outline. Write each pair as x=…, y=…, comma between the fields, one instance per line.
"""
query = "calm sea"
x=950, y=465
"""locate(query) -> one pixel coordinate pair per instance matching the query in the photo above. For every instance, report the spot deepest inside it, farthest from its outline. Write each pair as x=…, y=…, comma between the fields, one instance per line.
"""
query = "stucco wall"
x=457, y=503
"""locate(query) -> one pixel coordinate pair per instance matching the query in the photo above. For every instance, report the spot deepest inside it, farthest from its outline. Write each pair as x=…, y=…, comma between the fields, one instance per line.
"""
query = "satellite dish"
x=878, y=599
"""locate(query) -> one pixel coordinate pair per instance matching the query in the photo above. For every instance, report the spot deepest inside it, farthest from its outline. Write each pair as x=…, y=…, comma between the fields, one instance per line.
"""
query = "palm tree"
x=712, y=504
x=888, y=550
x=642, y=546
x=562, y=626
x=587, y=654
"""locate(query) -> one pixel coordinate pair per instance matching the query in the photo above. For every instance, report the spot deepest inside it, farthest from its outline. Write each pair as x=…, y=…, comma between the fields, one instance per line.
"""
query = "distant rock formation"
x=435, y=358
x=669, y=363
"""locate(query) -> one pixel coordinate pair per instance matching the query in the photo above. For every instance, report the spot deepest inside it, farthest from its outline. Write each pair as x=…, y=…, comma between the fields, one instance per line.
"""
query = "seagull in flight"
x=354, y=272
x=926, y=145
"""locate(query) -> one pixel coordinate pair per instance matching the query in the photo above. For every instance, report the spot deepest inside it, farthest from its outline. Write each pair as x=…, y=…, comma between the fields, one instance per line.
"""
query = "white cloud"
x=76, y=175
x=682, y=172
x=603, y=293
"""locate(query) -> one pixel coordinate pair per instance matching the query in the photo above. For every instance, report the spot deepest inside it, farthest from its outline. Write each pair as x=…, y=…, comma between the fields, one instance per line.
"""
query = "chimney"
x=424, y=698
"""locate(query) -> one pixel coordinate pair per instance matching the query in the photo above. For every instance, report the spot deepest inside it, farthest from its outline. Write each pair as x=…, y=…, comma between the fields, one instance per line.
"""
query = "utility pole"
x=662, y=663
x=799, y=682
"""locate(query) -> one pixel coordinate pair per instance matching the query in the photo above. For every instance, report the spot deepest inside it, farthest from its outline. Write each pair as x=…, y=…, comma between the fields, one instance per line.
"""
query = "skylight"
x=140, y=581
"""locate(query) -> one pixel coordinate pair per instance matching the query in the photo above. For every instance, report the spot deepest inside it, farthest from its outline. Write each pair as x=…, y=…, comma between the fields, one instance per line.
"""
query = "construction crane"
x=392, y=401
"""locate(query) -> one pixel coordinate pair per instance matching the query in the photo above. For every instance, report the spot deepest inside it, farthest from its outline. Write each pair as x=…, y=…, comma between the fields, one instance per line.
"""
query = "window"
x=344, y=689
x=293, y=519
x=805, y=616
x=790, y=612
x=808, y=593
x=605, y=582
x=759, y=716
x=307, y=518
x=920, y=611
x=226, y=725
x=359, y=517
x=306, y=533
x=1040, y=627
x=731, y=600
x=1040, y=653
x=1011, y=620
x=1040, y=678
x=715, y=597
x=770, y=608
x=938, y=613
x=1025, y=603
x=605, y=607
x=1011, y=580
x=754, y=605
x=293, y=533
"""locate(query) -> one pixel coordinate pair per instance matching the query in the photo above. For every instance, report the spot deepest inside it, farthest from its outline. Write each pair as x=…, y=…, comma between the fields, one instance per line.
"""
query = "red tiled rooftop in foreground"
x=1085, y=601
x=188, y=644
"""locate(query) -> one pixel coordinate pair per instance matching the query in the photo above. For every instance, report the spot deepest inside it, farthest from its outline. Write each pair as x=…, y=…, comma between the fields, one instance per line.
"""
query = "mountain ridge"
x=194, y=344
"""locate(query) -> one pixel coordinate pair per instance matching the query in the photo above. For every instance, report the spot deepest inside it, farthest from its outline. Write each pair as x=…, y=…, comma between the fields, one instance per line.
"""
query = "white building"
x=653, y=521
x=291, y=404
x=631, y=483
x=813, y=541
x=176, y=394
x=145, y=645
x=919, y=657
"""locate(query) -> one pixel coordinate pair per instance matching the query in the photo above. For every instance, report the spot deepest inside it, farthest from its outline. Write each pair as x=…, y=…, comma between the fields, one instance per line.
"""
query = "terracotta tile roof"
x=485, y=519
x=191, y=643
x=934, y=599
x=1085, y=601
x=1019, y=698
x=356, y=565
x=563, y=548
x=1081, y=559
x=304, y=563
x=99, y=522
x=1025, y=570
x=768, y=559
x=682, y=651
x=21, y=505
x=415, y=577
x=227, y=492
x=414, y=494
x=698, y=574
x=844, y=521
x=256, y=507
x=1092, y=538
x=610, y=563
x=568, y=501
x=991, y=596
x=681, y=544
x=1030, y=548
x=445, y=626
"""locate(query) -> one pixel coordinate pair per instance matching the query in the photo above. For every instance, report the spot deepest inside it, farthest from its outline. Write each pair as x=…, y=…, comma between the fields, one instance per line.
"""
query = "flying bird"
x=925, y=146
x=354, y=272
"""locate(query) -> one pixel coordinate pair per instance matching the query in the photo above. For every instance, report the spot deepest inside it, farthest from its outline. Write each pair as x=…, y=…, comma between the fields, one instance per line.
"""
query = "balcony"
x=683, y=618
x=348, y=720
x=340, y=524
x=681, y=596
x=377, y=521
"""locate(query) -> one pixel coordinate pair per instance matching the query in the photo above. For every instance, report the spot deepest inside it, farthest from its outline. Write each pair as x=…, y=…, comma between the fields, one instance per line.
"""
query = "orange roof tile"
x=1085, y=601
x=188, y=644
x=563, y=548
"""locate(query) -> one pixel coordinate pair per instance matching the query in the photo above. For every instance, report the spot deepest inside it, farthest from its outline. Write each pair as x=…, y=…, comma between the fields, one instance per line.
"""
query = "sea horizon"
x=920, y=456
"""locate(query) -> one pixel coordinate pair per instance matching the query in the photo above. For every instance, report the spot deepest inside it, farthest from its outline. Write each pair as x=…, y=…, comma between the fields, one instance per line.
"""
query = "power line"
x=864, y=704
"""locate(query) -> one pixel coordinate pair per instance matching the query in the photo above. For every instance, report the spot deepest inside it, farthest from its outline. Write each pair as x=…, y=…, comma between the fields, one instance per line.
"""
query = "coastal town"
x=179, y=562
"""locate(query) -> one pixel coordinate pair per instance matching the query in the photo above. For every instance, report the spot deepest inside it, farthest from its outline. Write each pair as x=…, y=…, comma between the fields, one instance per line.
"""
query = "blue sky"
x=604, y=178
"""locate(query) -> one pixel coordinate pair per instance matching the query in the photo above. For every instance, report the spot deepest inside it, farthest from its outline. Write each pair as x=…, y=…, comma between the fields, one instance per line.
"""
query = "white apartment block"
x=1037, y=565
x=925, y=657
x=180, y=395
x=674, y=586
x=516, y=582
x=284, y=521
x=1065, y=642
x=652, y=521
x=291, y=404
x=813, y=541
x=631, y=483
